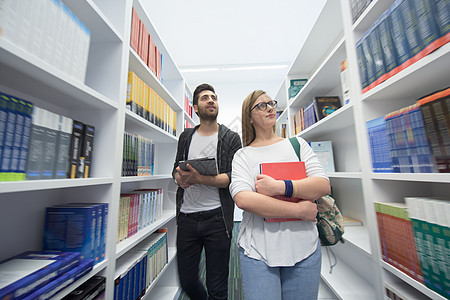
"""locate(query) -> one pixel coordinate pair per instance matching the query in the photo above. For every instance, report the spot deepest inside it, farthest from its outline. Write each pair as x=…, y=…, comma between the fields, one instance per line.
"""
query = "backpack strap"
x=296, y=146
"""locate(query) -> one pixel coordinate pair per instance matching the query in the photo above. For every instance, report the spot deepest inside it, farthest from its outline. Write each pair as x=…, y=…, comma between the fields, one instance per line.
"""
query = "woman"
x=279, y=260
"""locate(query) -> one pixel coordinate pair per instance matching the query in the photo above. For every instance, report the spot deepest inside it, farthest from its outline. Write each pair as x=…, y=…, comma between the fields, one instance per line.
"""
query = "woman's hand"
x=307, y=210
x=268, y=186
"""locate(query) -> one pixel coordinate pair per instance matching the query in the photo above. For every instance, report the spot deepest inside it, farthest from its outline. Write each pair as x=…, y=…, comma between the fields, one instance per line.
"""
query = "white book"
x=324, y=152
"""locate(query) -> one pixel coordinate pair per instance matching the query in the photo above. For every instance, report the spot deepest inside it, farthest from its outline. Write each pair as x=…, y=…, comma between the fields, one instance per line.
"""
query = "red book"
x=135, y=26
x=284, y=171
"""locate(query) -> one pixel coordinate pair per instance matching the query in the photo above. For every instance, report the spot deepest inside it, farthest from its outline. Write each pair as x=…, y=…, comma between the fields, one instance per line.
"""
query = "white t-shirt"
x=275, y=243
x=200, y=197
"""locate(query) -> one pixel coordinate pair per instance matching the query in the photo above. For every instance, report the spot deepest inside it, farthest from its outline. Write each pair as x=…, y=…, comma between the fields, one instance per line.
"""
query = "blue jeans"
x=300, y=281
x=195, y=232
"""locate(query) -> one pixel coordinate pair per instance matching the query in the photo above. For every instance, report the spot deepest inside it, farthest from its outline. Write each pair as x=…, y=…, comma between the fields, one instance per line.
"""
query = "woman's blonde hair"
x=248, y=131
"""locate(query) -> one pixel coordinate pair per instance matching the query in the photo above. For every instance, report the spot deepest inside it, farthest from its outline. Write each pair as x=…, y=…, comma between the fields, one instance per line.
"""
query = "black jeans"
x=195, y=231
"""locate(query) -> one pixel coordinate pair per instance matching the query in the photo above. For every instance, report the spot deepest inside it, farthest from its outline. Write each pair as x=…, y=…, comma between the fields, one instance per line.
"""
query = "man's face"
x=207, y=107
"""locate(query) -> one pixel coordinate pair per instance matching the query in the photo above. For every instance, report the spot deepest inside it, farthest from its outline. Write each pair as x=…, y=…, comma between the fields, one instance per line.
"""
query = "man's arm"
x=187, y=178
x=179, y=155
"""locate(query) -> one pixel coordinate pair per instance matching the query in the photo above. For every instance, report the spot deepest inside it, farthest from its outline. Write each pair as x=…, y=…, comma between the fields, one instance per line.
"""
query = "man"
x=205, y=208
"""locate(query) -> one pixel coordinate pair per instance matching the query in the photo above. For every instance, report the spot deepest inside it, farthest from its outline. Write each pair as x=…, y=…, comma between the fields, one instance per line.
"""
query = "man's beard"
x=205, y=115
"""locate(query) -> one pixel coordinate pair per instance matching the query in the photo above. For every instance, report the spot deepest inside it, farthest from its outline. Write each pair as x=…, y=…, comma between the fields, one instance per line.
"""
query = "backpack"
x=330, y=223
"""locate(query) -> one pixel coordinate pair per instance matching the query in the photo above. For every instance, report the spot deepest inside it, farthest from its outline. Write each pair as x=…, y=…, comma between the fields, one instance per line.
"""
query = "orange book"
x=294, y=170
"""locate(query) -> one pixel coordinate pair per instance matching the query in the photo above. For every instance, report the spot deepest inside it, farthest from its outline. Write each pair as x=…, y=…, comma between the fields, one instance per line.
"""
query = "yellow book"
x=140, y=102
x=175, y=123
x=132, y=92
x=145, y=102
x=147, y=105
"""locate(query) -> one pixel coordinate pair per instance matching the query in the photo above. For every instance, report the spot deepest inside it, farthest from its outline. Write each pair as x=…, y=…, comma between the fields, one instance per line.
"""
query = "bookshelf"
x=99, y=101
x=354, y=183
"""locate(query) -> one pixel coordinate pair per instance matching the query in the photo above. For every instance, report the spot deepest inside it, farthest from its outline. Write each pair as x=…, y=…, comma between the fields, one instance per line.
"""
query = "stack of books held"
x=413, y=139
x=137, y=210
x=146, y=103
x=138, y=268
x=39, y=144
x=49, y=31
x=414, y=237
x=408, y=31
x=319, y=108
x=77, y=227
x=41, y=274
x=142, y=43
x=138, y=155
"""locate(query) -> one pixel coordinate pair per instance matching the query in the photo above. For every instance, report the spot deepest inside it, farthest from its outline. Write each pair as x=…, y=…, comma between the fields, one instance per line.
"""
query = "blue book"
x=442, y=15
x=379, y=147
x=309, y=115
x=411, y=27
x=8, y=137
x=29, y=271
x=61, y=164
x=427, y=26
x=16, y=141
x=387, y=45
x=55, y=286
x=71, y=228
x=36, y=145
x=368, y=59
x=422, y=153
x=361, y=66
x=3, y=119
x=27, y=110
x=377, y=52
x=397, y=30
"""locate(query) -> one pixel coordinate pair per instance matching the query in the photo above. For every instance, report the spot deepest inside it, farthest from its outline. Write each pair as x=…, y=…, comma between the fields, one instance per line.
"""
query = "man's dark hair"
x=202, y=87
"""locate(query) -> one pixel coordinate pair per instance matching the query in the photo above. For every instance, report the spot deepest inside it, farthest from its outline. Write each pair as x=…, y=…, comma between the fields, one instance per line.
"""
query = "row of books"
x=187, y=124
x=50, y=31
x=414, y=238
x=39, y=144
x=77, y=227
x=188, y=107
x=145, y=102
x=414, y=139
x=138, y=155
x=141, y=42
x=137, y=210
x=41, y=274
x=408, y=31
x=358, y=7
x=138, y=268
x=319, y=108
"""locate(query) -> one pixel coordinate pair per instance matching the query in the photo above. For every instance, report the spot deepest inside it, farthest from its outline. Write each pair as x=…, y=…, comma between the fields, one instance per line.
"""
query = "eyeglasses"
x=263, y=105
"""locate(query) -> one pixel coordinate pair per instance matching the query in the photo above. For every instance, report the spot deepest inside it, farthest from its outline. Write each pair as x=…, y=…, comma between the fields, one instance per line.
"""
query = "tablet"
x=205, y=166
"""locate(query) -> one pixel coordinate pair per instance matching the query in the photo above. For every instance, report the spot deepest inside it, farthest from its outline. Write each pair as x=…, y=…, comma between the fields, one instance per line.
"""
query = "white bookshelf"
x=99, y=101
x=360, y=272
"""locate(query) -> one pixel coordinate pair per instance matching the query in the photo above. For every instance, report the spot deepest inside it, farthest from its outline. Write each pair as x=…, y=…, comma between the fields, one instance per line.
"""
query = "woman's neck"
x=265, y=138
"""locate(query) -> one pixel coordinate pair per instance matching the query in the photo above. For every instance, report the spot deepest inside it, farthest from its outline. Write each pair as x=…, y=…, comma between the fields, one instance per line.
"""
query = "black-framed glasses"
x=263, y=105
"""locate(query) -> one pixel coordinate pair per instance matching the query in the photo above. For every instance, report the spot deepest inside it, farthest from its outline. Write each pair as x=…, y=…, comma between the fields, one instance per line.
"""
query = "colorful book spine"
x=379, y=147
x=75, y=148
x=87, y=146
x=8, y=136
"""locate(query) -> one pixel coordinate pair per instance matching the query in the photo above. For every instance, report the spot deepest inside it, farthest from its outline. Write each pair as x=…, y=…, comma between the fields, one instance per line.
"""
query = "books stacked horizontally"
x=77, y=227
x=414, y=139
x=50, y=31
x=142, y=43
x=319, y=108
x=40, y=274
x=408, y=31
x=92, y=289
x=138, y=268
x=137, y=210
x=431, y=226
x=39, y=144
x=145, y=102
x=138, y=155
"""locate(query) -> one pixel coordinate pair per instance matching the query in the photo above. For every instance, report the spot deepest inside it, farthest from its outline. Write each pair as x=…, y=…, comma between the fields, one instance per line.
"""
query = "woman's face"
x=264, y=115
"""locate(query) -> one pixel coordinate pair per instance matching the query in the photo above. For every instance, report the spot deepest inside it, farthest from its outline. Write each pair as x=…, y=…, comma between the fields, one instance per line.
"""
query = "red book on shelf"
x=135, y=26
x=284, y=171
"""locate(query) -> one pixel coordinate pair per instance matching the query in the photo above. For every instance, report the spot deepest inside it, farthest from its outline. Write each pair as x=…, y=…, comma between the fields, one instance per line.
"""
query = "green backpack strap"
x=296, y=146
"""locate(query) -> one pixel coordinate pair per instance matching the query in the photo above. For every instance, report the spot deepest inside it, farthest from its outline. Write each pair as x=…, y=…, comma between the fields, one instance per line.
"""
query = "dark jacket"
x=228, y=143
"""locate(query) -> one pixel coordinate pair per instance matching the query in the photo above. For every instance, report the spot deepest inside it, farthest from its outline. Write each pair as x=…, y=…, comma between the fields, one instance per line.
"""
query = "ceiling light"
x=195, y=69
